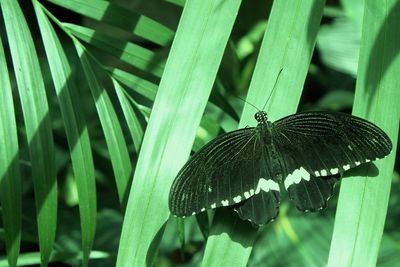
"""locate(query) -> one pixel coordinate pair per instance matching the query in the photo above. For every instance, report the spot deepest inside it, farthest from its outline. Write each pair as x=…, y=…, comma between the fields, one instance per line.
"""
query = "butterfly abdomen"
x=269, y=150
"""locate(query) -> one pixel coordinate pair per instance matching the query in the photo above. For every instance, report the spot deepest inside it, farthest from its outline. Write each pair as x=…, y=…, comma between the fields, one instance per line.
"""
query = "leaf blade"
x=37, y=122
x=122, y=18
x=366, y=199
x=111, y=127
x=290, y=38
x=77, y=134
x=10, y=176
x=178, y=108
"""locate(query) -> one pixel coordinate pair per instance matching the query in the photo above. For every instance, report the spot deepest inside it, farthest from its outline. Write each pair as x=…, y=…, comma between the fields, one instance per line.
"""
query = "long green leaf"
x=37, y=122
x=288, y=45
x=138, y=57
x=123, y=18
x=33, y=258
x=128, y=52
x=363, y=201
x=184, y=89
x=111, y=127
x=140, y=86
x=10, y=177
x=303, y=247
x=131, y=118
x=77, y=134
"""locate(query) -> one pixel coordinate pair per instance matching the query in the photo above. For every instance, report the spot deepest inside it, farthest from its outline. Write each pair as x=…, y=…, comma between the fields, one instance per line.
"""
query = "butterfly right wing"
x=225, y=172
x=316, y=147
x=261, y=208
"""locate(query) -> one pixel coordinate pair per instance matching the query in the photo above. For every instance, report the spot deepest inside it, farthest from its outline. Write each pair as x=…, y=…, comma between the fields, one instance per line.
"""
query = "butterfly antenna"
x=273, y=89
x=248, y=102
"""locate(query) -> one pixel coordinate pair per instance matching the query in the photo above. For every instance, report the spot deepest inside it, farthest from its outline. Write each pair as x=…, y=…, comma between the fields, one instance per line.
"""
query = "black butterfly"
x=305, y=152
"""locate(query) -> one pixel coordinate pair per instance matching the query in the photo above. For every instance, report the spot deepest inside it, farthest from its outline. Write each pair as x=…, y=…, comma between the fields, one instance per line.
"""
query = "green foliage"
x=363, y=202
x=97, y=117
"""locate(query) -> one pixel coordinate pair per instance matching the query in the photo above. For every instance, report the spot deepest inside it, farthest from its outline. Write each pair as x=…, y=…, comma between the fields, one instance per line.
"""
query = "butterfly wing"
x=308, y=192
x=261, y=208
x=225, y=172
x=316, y=146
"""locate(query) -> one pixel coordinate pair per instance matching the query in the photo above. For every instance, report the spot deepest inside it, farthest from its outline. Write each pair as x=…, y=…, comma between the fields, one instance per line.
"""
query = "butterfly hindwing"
x=261, y=208
x=225, y=172
x=309, y=193
x=312, y=194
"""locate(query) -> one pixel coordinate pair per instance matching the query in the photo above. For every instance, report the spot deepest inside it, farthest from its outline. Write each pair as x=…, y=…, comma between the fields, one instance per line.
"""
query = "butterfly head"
x=261, y=117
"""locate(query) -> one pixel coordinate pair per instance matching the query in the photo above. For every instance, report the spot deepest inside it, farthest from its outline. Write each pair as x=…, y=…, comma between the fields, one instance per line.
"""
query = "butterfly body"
x=304, y=153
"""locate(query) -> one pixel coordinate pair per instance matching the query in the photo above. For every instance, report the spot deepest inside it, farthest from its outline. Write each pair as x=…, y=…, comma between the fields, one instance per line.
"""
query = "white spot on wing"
x=349, y=147
x=247, y=194
x=237, y=199
x=334, y=171
x=346, y=167
x=193, y=213
x=367, y=160
x=213, y=206
x=296, y=177
x=357, y=163
x=266, y=185
x=225, y=202
x=317, y=173
x=209, y=189
x=203, y=209
x=324, y=173
x=251, y=192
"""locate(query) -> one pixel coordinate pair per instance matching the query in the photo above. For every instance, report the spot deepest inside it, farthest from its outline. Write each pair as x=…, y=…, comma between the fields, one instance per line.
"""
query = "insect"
x=304, y=153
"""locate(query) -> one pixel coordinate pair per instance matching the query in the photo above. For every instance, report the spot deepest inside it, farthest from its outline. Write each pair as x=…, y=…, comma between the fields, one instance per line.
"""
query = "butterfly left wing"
x=315, y=147
x=227, y=171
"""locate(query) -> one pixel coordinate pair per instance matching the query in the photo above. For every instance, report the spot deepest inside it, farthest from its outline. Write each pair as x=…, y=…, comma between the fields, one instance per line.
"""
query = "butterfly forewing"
x=329, y=143
x=224, y=172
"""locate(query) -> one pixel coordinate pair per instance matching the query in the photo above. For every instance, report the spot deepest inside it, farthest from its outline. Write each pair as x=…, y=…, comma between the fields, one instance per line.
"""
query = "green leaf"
x=120, y=17
x=139, y=85
x=295, y=238
x=339, y=45
x=135, y=128
x=363, y=202
x=354, y=9
x=10, y=176
x=128, y=52
x=37, y=122
x=177, y=2
x=336, y=100
x=138, y=57
x=33, y=258
x=184, y=89
x=111, y=127
x=77, y=134
x=287, y=45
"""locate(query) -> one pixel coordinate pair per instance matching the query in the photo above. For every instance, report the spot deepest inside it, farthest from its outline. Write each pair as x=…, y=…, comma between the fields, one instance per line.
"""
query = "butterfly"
x=304, y=153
